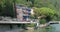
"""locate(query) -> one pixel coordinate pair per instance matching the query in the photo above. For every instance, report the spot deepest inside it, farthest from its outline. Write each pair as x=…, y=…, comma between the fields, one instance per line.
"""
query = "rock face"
x=8, y=28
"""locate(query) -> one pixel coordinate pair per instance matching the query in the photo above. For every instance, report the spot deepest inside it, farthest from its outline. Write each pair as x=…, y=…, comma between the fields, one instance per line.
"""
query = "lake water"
x=51, y=28
x=56, y=27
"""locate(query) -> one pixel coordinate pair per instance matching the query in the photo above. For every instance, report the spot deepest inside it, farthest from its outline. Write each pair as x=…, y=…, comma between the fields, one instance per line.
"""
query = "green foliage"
x=21, y=2
x=44, y=11
x=6, y=6
x=42, y=21
x=32, y=17
x=45, y=14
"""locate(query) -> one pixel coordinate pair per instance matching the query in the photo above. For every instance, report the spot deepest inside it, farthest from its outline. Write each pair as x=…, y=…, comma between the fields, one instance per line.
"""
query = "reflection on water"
x=57, y=27
x=51, y=28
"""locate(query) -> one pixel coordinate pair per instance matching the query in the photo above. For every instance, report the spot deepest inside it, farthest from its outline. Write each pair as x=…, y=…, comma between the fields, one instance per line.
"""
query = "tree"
x=6, y=8
x=44, y=12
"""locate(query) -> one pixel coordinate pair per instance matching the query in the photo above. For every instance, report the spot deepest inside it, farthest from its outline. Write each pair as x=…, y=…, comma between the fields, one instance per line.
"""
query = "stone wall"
x=10, y=28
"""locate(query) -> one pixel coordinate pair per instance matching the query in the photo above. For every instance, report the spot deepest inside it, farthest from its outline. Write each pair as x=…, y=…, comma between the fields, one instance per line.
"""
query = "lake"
x=50, y=28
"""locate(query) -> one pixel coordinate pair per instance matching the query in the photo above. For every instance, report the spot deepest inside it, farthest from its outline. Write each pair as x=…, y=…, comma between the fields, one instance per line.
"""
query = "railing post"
x=37, y=25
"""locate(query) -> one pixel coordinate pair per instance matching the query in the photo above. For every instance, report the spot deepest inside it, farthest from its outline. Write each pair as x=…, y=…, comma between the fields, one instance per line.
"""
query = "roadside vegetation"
x=44, y=10
x=45, y=14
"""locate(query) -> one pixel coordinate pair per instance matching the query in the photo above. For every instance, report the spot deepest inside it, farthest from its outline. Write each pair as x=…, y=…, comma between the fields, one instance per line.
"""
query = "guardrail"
x=54, y=22
x=15, y=20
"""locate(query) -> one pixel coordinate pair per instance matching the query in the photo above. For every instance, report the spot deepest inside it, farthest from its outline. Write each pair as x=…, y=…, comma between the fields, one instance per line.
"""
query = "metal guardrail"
x=15, y=20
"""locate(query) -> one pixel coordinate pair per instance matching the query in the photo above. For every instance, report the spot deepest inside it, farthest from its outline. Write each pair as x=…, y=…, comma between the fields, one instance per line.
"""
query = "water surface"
x=51, y=28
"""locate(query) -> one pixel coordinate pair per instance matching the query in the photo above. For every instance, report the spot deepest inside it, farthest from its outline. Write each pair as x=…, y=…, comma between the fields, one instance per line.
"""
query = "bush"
x=42, y=21
x=45, y=12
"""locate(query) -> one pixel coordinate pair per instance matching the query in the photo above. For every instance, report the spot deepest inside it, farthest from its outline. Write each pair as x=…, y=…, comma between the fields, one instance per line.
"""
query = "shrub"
x=42, y=21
